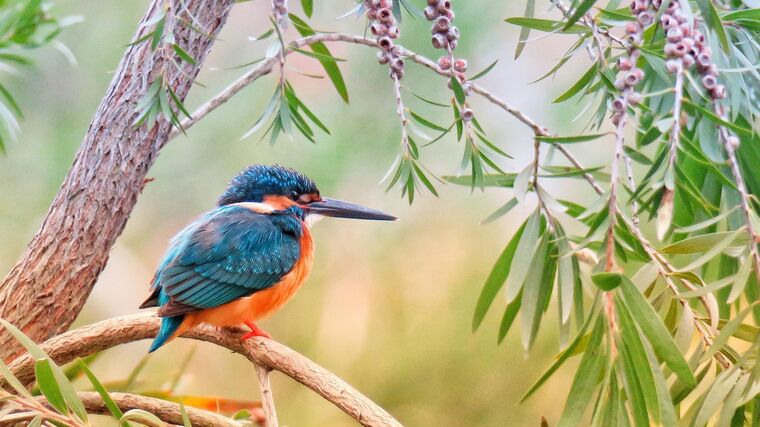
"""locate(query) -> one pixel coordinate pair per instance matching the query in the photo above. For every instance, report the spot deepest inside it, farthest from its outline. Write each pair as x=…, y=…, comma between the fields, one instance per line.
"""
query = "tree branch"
x=267, y=353
x=267, y=399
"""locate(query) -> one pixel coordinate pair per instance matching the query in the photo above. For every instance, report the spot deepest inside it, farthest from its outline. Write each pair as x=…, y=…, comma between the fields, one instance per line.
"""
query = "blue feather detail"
x=168, y=326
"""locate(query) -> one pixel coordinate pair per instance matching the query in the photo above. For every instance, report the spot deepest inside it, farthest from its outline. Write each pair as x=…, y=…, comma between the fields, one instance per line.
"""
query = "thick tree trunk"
x=48, y=286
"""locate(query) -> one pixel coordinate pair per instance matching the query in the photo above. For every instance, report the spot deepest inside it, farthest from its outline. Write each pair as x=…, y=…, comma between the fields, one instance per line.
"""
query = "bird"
x=243, y=260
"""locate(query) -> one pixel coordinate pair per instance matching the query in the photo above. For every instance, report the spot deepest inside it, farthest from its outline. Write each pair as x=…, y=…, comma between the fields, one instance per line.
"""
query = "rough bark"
x=48, y=286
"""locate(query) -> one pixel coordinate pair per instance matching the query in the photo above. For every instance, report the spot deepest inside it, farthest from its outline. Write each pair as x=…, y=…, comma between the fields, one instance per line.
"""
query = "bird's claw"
x=255, y=332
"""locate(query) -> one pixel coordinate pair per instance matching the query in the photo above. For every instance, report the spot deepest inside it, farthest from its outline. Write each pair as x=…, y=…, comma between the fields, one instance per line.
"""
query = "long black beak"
x=339, y=209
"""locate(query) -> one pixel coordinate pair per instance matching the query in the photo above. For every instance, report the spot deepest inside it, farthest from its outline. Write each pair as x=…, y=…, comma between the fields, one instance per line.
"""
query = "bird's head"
x=278, y=189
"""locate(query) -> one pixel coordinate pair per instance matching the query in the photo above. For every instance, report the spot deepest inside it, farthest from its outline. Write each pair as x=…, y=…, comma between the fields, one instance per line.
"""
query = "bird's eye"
x=293, y=195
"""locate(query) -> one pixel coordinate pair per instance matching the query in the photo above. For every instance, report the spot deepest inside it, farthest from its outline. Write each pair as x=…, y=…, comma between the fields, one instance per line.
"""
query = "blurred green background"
x=388, y=306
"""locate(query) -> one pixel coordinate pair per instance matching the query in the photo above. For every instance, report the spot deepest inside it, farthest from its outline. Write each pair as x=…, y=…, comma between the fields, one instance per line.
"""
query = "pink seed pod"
x=645, y=18
x=706, y=50
x=444, y=5
x=377, y=29
x=430, y=13
x=703, y=60
x=383, y=57
x=667, y=21
x=733, y=142
x=680, y=16
x=685, y=29
x=674, y=35
x=467, y=114
x=620, y=83
x=719, y=92
x=673, y=6
x=393, y=32
x=633, y=98
x=624, y=63
x=699, y=38
x=680, y=49
x=467, y=88
x=632, y=27
x=689, y=42
x=656, y=3
x=460, y=65
x=439, y=41
x=687, y=60
x=396, y=50
x=634, y=76
x=372, y=14
x=618, y=105
x=634, y=38
x=374, y=4
x=432, y=2
x=385, y=15
x=709, y=82
x=672, y=66
x=442, y=23
x=444, y=62
x=449, y=14
x=385, y=43
x=397, y=63
x=387, y=4
x=396, y=74
x=670, y=49
x=616, y=118
x=453, y=44
x=711, y=70
x=453, y=33
x=638, y=6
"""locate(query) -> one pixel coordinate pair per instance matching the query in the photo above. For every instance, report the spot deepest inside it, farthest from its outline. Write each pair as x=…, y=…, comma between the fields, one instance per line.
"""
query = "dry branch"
x=267, y=353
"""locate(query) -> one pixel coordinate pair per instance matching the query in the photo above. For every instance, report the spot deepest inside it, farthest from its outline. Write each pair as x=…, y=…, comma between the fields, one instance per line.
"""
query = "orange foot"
x=255, y=332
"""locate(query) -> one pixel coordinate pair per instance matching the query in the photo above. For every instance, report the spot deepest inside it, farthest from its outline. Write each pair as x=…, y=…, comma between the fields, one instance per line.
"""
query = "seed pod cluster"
x=383, y=27
x=689, y=46
x=280, y=10
x=445, y=33
x=629, y=75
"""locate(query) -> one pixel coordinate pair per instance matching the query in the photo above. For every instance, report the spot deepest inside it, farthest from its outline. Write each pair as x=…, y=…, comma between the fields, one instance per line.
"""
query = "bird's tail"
x=169, y=326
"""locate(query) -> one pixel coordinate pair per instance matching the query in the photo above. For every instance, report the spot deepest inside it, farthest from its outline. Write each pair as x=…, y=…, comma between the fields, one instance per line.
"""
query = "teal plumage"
x=229, y=253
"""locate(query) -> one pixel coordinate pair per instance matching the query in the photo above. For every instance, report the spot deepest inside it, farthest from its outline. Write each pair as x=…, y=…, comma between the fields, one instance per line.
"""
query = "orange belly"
x=262, y=303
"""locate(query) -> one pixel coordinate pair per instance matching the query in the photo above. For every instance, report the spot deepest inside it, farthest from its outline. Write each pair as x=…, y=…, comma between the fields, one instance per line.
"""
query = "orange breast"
x=261, y=304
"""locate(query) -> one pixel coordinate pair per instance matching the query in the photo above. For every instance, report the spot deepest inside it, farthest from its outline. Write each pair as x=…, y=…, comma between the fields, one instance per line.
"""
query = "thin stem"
x=401, y=115
x=267, y=399
x=675, y=135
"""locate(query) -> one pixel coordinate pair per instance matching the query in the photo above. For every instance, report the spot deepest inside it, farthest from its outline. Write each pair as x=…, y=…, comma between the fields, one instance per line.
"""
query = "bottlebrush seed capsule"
x=616, y=118
x=709, y=82
x=688, y=60
x=699, y=38
x=670, y=49
x=733, y=142
x=634, y=38
x=633, y=78
x=632, y=27
x=703, y=60
x=373, y=4
x=467, y=114
x=430, y=13
x=673, y=6
x=439, y=41
x=625, y=63
x=680, y=49
x=618, y=105
x=453, y=33
x=668, y=21
x=377, y=29
x=679, y=16
x=386, y=4
x=444, y=5
x=719, y=92
x=460, y=65
x=384, y=15
x=383, y=58
x=674, y=35
x=397, y=63
x=385, y=43
x=442, y=23
x=685, y=29
x=444, y=62
x=672, y=66
x=393, y=32
x=432, y=2
x=620, y=84
x=453, y=44
x=645, y=18
x=633, y=98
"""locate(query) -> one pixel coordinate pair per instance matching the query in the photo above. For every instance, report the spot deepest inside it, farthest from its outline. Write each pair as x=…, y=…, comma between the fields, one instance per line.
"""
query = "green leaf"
x=581, y=10
x=570, y=139
x=750, y=14
x=530, y=8
x=315, y=55
x=8, y=377
x=655, y=331
x=510, y=313
x=46, y=380
x=458, y=91
x=498, y=213
x=535, y=288
x=182, y=53
x=607, y=281
x=704, y=242
x=633, y=346
x=185, y=418
x=524, y=252
x=487, y=70
x=547, y=25
x=584, y=81
x=728, y=330
x=331, y=68
x=704, y=224
x=140, y=416
x=427, y=123
x=489, y=180
x=712, y=19
x=308, y=7
x=586, y=378
x=98, y=386
x=715, y=250
x=745, y=269
x=496, y=278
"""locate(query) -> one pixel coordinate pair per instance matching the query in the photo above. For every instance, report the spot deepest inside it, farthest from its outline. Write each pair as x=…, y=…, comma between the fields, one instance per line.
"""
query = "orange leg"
x=255, y=332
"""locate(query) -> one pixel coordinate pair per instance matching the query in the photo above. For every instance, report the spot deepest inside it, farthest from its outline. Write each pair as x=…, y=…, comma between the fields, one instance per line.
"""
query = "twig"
x=401, y=116
x=675, y=135
x=267, y=399
x=268, y=353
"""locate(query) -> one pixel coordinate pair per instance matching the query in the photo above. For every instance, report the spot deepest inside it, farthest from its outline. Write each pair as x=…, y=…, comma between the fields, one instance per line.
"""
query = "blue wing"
x=229, y=253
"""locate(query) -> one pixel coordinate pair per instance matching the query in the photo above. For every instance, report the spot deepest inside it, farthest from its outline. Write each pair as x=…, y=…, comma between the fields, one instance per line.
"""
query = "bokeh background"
x=388, y=306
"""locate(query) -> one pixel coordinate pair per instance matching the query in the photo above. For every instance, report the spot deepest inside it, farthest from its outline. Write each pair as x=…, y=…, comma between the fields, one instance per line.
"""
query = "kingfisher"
x=244, y=259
